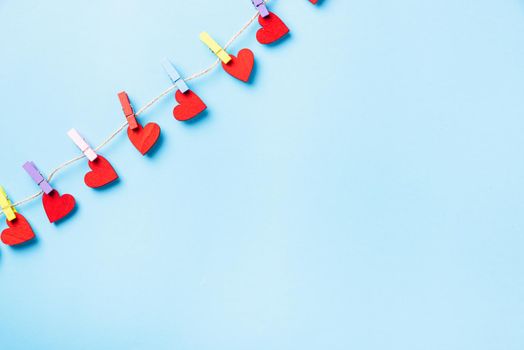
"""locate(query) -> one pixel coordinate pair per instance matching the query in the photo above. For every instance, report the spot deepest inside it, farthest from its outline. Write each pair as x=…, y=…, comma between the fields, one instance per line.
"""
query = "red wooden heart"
x=19, y=231
x=57, y=206
x=189, y=105
x=241, y=66
x=273, y=28
x=102, y=173
x=144, y=138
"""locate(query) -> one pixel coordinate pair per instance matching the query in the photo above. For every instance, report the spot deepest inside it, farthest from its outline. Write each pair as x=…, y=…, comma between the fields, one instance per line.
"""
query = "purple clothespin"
x=261, y=7
x=32, y=170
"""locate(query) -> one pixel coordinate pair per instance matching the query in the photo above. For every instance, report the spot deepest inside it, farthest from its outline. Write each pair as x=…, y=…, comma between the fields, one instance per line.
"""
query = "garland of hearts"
x=189, y=105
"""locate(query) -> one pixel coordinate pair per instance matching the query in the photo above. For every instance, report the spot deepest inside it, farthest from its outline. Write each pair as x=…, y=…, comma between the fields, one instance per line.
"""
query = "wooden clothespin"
x=175, y=77
x=32, y=170
x=260, y=5
x=7, y=206
x=213, y=46
x=128, y=110
x=82, y=144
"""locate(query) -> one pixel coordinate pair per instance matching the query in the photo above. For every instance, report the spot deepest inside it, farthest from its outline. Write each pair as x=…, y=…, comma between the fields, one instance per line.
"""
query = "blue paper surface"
x=363, y=192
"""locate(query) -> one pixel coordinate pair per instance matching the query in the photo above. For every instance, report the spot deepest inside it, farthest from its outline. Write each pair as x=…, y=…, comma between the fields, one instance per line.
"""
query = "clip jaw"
x=7, y=206
x=32, y=170
x=128, y=110
x=175, y=77
x=213, y=46
x=82, y=144
x=260, y=5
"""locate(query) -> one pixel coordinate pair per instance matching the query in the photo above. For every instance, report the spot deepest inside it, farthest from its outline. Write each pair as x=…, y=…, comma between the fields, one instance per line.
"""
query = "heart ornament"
x=57, y=206
x=240, y=66
x=18, y=232
x=101, y=174
x=189, y=105
x=273, y=29
x=144, y=138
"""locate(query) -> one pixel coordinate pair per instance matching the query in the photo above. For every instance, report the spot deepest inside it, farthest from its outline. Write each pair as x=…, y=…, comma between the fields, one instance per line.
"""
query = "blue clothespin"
x=175, y=76
x=260, y=5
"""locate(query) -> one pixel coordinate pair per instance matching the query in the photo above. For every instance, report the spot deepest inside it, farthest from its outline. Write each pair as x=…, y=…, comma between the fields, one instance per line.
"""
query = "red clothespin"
x=128, y=110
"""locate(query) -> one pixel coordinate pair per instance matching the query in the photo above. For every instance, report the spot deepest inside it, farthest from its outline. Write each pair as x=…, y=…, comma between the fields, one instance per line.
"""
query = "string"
x=139, y=112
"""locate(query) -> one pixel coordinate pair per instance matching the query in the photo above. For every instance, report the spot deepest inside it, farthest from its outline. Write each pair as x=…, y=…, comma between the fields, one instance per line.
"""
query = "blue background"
x=365, y=192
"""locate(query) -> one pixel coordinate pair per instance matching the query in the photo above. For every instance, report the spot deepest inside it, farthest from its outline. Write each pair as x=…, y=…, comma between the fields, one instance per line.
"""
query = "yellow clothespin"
x=217, y=49
x=6, y=205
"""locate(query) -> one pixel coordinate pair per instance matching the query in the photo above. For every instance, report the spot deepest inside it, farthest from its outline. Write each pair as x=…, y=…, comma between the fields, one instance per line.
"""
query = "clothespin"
x=32, y=170
x=174, y=76
x=6, y=205
x=82, y=144
x=260, y=5
x=213, y=46
x=128, y=110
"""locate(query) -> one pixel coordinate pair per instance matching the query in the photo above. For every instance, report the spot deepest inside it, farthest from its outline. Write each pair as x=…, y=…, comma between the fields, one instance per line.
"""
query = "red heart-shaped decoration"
x=189, y=105
x=19, y=231
x=102, y=173
x=56, y=206
x=144, y=138
x=273, y=28
x=241, y=66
